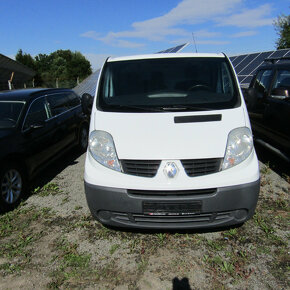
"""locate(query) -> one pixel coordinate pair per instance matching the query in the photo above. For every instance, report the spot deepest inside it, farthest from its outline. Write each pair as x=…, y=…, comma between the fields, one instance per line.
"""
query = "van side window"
x=228, y=87
x=282, y=79
x=37, y=113
x=262, y=81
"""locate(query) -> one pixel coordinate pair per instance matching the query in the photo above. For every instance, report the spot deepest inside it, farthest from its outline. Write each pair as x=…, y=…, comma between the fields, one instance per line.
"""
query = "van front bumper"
x=224, y=206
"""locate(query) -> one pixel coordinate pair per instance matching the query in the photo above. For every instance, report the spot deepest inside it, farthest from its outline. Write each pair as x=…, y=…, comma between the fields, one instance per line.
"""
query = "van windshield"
x=167, y=84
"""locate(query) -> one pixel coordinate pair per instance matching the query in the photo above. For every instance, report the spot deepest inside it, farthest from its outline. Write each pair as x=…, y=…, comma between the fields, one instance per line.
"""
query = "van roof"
x=165, y=55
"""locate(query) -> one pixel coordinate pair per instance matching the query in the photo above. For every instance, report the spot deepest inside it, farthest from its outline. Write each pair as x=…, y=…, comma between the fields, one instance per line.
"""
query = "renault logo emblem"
x=170, y=169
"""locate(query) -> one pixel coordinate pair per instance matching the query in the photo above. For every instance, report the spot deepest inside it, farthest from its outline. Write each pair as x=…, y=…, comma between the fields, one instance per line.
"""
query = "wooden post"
x=10, y=81
x=56, y=82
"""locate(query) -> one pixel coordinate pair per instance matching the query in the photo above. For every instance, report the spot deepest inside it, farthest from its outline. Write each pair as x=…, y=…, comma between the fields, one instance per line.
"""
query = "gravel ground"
x=51, y=241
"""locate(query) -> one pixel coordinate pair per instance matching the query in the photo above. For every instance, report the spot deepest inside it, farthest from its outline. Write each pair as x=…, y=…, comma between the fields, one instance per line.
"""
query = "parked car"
x=36, y=126
x=268, y=102
x=170, y=144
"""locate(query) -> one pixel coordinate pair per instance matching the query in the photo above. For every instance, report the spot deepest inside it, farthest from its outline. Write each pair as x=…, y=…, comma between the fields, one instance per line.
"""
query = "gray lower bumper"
x=224, y=206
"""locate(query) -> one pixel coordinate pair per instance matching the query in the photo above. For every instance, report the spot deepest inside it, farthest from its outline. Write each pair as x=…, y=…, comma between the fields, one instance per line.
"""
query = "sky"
x=102, y=28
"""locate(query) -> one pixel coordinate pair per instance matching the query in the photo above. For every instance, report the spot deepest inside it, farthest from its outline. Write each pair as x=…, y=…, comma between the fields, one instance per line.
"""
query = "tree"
x=64, y=66
x=282, y=26
x=25, y=59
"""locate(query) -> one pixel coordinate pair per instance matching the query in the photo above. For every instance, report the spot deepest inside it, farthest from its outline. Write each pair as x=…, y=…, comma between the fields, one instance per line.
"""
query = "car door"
x=38, y=133
x=277, y=110
x=63, y=118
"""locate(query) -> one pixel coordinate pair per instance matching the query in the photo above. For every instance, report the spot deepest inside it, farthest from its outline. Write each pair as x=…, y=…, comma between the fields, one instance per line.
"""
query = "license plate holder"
x=172, y=208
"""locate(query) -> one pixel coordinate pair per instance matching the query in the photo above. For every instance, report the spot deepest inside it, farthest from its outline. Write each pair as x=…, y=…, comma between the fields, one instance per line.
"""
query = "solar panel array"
x=246, y=65
x=174, y=49
x=88, y=85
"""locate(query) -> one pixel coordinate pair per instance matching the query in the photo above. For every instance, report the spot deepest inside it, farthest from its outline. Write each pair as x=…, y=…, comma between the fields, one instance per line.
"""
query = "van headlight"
x=102, y=148
x=239, y=147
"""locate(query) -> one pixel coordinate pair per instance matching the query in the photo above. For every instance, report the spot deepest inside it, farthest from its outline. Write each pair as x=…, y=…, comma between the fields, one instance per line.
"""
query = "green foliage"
x=282, y=26
x=61, y=67
x=26, y=59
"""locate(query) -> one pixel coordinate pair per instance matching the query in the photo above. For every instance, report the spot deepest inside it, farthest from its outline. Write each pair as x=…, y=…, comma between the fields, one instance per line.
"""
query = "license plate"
x=153, y=208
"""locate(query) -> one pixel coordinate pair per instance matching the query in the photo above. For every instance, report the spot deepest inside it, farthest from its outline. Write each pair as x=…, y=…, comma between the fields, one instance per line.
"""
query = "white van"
x=170, y=144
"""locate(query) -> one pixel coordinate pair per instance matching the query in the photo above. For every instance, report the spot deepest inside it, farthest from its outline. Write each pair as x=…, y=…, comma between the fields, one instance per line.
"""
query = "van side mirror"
x=280, y=93
x=87, y=103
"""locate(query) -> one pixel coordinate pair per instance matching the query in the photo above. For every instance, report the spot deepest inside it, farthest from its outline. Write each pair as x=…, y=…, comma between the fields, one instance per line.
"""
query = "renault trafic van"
x=170, y=144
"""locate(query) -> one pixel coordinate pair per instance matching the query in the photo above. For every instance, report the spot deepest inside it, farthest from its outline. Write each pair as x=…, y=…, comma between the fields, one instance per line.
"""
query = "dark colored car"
x=268, y=103
x=36, y=126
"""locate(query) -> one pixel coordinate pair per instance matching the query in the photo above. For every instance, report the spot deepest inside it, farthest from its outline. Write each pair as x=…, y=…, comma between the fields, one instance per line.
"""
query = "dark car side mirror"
x=87, y=103
x=250, y=97
x=280, y=93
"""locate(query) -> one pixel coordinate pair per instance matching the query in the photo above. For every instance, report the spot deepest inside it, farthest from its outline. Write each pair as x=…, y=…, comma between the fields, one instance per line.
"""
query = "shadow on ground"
x=56, y=167
x=276, y=163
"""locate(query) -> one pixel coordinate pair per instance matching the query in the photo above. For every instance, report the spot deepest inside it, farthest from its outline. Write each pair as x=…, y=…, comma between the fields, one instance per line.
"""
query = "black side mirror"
x=280, y=93
x=87, y=103
x=250, y=97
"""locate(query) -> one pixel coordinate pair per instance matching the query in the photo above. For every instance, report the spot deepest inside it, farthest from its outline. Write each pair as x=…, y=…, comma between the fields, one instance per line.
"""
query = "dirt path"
x=51, y=241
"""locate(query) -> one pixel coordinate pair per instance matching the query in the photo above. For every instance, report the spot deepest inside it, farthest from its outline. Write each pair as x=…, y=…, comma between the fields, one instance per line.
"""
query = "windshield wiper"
x=140, y=108
x=184, y=108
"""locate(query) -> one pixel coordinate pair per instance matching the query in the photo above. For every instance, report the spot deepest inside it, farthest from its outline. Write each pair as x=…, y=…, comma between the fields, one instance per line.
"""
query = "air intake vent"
x=144, y=168
x=198, y=167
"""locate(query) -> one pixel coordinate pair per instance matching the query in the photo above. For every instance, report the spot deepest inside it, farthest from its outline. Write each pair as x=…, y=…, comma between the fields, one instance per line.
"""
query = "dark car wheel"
x=12, y=186
x=83, y=138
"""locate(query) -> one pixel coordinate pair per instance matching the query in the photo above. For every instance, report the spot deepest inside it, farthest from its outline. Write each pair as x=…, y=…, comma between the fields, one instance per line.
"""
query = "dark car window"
x=37, y=113
x=58, y=103
x=62, y=102
x=263, y=80
x=282, y=79
x=73, y=100
x=10, y=113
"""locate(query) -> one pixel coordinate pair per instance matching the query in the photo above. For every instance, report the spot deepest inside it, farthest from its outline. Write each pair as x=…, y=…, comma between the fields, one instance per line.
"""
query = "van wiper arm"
x=139, y=108
x=185, y=108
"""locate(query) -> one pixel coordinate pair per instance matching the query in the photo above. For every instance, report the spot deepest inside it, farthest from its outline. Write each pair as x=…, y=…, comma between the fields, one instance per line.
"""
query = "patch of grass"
x=263, y=224
x=161, y=238
x=216, y=245
x=114, y=248
x=48, y=189
x=9, y=268
x=65, y=200
x=265, y=169
x=20, y=219
x=72, y=264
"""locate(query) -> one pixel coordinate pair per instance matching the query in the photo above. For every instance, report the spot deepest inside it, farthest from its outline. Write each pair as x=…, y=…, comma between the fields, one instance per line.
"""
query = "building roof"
x=22, y=73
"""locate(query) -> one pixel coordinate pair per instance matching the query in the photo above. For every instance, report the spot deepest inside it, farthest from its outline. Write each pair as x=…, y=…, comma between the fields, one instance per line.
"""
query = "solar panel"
x=238, y=59
x=88, y=85
x=247, y=60
x=246, y=65
x=174, y=49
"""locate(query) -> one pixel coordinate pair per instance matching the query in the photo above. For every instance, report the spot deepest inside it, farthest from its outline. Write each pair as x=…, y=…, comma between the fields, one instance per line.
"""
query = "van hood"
x=157, y=136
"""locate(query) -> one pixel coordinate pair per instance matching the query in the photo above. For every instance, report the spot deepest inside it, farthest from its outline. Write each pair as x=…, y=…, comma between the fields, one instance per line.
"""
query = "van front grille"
x=198, y=167
x=192, y=167
x=145, y=168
